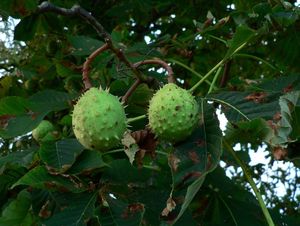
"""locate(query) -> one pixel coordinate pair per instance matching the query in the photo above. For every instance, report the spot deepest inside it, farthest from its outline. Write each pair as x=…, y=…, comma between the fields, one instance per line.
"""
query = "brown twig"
x=131, y=90
x=76, y=10
x=139, y=81
x=171, y=78
x=225, y=75
x=86, y=66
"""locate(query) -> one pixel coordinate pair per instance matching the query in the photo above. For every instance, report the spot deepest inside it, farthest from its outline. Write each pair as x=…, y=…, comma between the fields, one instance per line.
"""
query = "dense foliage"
x=237, y=57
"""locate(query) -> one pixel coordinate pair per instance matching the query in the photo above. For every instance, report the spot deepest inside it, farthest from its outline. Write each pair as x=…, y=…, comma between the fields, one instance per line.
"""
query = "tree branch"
x=76, y=10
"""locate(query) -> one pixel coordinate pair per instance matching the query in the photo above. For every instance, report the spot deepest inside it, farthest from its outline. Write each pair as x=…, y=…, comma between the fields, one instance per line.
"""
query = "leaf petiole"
x=130, y=120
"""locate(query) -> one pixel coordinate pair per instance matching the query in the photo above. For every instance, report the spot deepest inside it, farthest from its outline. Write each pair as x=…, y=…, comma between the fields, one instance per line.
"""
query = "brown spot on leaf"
x=191, y=175
x=194, y=157
x=272, y=125
x=257, y=97
x=280, y=153
x=200, y=143
x=132, y=209
x=173, y=162
x=209, y=162
x=203, y=204
x=92, y=186
x=63, y=189
x=287, y=89
x=4, y=120
x=170, y=206
x=177, y=108
x=32, y=114
x=277, y=116
x=21, y=9
x=50, y=185
x=44, y=211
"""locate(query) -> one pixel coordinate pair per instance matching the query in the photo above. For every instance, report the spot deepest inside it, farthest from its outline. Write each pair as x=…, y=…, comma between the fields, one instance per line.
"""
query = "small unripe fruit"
x=173, y=113
x=44, y=132
x=99, y=120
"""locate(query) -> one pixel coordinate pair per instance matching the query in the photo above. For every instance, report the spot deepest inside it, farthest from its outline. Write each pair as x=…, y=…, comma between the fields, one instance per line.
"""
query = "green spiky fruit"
x=173, y=113
x=99, y=120
x=44, y=132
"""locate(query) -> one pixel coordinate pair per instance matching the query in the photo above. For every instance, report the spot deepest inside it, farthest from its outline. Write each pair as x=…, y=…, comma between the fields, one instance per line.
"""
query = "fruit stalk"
x=169, y=70
x=86, y=66
x=131, y=90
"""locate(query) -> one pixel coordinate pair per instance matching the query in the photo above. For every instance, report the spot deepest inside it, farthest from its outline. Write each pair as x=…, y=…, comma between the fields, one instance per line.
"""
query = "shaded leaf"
x=295, y=122
x=254, y=131
x=23, y=115
x=25, y=30
x=239, y=106
x=75, y=211
x=13, y=106
x=283, y=128
x=23, y=7
x=18, y=211
x=242, y=35
x=6, y=82
x=224, y=200
x=121, y=213
x=50, y=100
x=87, y=161
x=23, y=158
x=60, y=155
x=196, y=157
x=39, y=177
x=84, y=45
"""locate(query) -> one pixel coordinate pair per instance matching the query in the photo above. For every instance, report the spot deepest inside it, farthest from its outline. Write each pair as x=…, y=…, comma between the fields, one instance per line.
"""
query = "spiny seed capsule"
x=96, y=113
x=173, y=113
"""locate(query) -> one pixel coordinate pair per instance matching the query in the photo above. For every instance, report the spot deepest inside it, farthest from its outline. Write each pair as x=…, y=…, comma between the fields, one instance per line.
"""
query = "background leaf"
x=239, y=106
x=60, y=155
x=242, y=35
x=20, y=116
x=18, y=211
x=39, y=177
x=77, y=209
x=87, y=161
x=196, y=157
